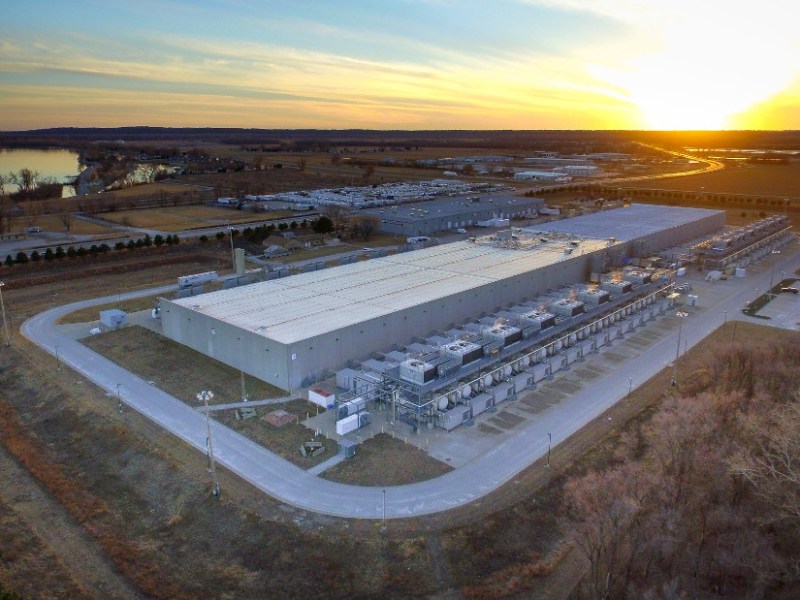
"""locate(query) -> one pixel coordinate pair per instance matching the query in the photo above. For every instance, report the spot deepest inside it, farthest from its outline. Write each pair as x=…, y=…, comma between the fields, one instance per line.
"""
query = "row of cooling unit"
x=742, y=236
x=470, y=399
x=441, y=356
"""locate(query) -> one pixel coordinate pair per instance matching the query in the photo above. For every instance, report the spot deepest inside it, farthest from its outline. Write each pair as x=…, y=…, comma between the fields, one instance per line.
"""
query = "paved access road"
x=292, y=485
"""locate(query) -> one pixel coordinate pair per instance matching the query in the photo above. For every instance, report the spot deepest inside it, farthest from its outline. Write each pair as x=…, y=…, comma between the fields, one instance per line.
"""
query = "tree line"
x=703, y=501
x=22, y=258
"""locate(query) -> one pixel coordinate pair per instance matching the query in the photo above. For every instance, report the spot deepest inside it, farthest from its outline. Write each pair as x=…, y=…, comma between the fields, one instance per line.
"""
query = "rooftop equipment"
x=464, y=351
x=637, y=276
x=417, y=371
x=567, y=307
x=593, y=295
x=616, y=287
x=538, y=319
x=507, y=334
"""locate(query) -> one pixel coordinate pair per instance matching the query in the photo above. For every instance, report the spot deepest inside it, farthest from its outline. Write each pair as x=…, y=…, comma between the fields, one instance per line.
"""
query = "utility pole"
x=244, y=390
x=5, y=323
x=58, y=360
x=771, y=277
x=383, y=526
x=119, y=399
x=549, y=446
x=677, y=355
x=630, y=387
x=233, y=253
x=204, y=397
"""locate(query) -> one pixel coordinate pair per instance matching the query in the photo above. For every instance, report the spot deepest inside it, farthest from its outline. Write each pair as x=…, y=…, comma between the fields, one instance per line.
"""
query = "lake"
x=60, y=164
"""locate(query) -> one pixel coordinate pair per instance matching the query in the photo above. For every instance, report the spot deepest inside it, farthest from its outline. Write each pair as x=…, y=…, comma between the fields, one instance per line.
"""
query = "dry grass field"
x=284, y=441
x=86, y=315
x=151, y=189
x=53, y=223
x=386, y=461
x=176, y=369
x=781, y=181
x=179, y=218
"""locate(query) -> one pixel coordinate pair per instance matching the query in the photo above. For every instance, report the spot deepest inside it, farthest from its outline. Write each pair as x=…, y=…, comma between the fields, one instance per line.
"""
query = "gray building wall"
x=287, y=366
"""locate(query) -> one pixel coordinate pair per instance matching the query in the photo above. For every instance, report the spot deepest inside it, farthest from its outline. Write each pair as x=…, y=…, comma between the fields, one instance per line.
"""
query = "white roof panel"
x=302, y=306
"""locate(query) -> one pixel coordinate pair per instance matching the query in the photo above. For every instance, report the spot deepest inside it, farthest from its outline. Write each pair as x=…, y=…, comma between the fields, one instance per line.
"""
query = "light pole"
x=5, y=323
x=233, y=253
x=677, y=354
x=383, y=525
x=549, y=446
x=119, y=400
x=58, y=360
x=630, y=387
x=204, y=397
x=771, y=277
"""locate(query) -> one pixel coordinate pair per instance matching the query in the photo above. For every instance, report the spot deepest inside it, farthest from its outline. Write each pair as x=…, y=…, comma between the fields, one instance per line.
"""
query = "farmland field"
x=758, y=180
x=179, y=218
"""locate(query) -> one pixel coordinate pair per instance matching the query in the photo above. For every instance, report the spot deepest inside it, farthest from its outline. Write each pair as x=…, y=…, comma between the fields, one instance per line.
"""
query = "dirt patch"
x=284, y=440
x=175, y=368
x=385, y=461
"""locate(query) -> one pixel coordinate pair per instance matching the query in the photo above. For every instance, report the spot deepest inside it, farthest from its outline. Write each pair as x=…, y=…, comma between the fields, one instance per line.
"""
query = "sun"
x=703, y=74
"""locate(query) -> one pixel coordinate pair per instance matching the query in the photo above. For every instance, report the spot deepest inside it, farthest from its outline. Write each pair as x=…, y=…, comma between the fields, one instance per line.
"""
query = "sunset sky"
x=401, y=64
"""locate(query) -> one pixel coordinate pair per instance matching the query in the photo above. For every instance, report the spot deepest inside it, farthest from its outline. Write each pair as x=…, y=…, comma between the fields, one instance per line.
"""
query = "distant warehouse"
x=425, y=218
x=287, y=331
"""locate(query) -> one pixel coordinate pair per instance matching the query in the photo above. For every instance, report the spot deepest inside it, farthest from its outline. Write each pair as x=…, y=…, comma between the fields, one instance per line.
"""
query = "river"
x=60, y=164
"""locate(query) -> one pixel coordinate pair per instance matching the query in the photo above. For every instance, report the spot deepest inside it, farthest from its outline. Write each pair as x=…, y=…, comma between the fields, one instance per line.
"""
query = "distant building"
x=425, y=218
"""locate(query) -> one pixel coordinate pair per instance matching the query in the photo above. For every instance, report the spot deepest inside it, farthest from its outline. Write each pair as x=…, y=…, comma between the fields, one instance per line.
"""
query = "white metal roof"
x=627, y=223
x=294, y=308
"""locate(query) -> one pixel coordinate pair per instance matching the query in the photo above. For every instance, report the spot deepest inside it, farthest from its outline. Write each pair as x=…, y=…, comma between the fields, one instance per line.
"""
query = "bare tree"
x=337, y=215
x=66, y=219
x=25, y=179
x=364, y=226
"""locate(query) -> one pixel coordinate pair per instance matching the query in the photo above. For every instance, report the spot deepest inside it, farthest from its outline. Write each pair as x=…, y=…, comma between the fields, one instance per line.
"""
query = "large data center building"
x=288, y=331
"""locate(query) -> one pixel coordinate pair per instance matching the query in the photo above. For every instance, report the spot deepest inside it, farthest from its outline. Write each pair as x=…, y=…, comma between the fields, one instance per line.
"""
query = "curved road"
x=292, y=485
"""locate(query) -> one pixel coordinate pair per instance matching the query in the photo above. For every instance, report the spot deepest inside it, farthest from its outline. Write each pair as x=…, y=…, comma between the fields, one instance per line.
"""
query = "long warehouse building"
x=287, y=331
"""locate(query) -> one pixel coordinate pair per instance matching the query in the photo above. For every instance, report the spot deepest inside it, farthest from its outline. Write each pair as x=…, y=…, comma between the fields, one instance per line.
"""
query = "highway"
x=292, y=485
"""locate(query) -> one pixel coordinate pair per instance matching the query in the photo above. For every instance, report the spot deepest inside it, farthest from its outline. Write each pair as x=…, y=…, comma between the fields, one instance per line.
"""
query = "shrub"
x=220, y=235
x=131, y=245
x=158, y=240
x=203, y=239
x=9, y=260
x=49, y=254
x=104, y=248
x=71, y=252
x=81, y=251
x=35, y=256
x=60, y=252
x=148, y=241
